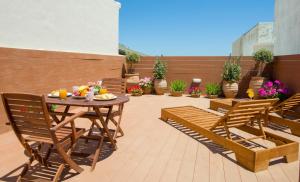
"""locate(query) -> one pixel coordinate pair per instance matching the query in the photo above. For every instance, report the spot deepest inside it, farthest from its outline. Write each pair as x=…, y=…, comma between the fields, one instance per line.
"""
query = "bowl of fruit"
x=80, y=92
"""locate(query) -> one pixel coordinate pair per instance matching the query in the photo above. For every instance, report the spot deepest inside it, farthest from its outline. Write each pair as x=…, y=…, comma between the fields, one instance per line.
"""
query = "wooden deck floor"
x=153, y=150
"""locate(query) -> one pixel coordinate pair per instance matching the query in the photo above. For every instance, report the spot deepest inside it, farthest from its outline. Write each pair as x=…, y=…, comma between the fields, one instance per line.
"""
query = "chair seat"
x=61, y=134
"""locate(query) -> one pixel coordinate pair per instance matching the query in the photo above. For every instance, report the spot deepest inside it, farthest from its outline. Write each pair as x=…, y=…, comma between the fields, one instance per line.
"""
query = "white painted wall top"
x=287, y=27
x=86, y=26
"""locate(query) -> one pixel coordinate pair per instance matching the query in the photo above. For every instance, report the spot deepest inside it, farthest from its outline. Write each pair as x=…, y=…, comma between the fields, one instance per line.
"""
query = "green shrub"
x=132, y=58
x=262, y=57
x=212, y=89
x=232, y=70
x=160, y=69
x=178, y=86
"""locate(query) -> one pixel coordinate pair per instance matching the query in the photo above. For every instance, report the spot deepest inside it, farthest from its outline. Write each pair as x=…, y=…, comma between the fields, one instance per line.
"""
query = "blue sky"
x=189, y=27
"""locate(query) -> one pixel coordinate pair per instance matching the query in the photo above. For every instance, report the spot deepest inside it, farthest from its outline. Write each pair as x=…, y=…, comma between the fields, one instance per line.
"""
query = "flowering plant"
x=135, y=90
x=146, y=82
x=195, y=91
x=274, y=89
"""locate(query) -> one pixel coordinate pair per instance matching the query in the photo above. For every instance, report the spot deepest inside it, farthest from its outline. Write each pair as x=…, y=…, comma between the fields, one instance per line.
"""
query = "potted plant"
x=274, y=89
x=195, y=92
x=135, y=90
x=131, y=77
x=231, y=76
x=177, y=88
x=159, y=74
x=262, y=57
x=212, y=90
x=147, y=85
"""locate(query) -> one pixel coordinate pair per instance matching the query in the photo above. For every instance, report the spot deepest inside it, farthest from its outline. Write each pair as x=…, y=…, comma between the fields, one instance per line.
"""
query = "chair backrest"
x=114, y=85
x=244, y=111
x=289, y=103
x=28, y=115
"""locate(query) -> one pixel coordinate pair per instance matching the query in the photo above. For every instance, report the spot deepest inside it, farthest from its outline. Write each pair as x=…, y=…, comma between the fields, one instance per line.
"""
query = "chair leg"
x=90, y=131
x=67, y=159
x=118, y=127
x=25, y=169
x=97, y=153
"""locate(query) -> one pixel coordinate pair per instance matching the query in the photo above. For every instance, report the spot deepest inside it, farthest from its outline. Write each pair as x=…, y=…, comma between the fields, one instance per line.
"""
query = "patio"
x=153, y=150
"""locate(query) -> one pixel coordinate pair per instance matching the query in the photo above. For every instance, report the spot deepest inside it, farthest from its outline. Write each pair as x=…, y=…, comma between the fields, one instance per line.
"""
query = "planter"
x=212, y=96
x=132, y=79
x=136, y=94
x=195, y=95
x=230, y=89
x=147, y=90
x=255, y=84
x=176, y=93
x=160, y=86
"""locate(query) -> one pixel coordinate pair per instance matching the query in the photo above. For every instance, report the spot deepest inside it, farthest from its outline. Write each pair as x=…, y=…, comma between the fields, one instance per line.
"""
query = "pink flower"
x=277, y=82
x=269, y=84
x=262, y=92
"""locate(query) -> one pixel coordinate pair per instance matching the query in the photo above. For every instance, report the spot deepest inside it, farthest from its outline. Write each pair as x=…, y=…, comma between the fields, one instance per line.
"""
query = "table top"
x=70, y=101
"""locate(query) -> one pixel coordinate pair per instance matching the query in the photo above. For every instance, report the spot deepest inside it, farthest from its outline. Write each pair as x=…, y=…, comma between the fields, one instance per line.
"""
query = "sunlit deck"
x=153, y=150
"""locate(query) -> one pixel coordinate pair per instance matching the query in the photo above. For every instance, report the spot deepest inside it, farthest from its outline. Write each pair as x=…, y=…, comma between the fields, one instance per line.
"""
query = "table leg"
x=104, y=124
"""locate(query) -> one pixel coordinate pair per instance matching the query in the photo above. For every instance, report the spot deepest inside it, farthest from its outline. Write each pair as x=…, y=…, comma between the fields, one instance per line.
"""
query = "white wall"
x=287, y=27
x=260, y=36
x=87, y=26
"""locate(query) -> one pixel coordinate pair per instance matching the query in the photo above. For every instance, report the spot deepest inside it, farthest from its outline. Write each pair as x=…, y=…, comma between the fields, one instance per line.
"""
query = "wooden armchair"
x=115, y=86
x=30, y=120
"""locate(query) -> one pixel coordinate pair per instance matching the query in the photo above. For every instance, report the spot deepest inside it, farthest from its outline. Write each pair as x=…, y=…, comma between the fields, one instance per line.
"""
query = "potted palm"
x=159, y=74
x=212, y=90
x=177, y=88
x=262, y=57
x=231, y=76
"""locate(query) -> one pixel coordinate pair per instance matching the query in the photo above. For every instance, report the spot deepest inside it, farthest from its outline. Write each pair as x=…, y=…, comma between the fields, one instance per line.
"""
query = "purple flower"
x=262, y=92
x=269, y=84
x=277, y=82
x=272, y=92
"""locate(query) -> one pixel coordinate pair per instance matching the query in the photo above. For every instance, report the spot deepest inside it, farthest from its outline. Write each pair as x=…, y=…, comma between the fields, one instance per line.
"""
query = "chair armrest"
x=68, y=120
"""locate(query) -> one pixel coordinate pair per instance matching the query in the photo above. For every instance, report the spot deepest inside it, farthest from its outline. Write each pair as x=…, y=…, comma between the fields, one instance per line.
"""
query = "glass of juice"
x=62, y=93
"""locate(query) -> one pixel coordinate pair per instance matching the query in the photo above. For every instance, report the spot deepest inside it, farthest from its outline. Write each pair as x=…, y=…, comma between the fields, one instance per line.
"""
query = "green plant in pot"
x=231, y=76
x=212, y=90
x=131, y=77
x=159, y=75
x=262, y=57
x=177, y=87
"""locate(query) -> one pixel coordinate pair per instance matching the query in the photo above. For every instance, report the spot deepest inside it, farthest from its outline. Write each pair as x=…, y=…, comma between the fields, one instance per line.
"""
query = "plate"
x=78, y=97
x=100, y=99
x=57, y=96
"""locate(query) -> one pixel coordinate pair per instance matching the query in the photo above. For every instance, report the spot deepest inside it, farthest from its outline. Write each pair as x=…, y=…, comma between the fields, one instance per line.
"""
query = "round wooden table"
x=96, y=114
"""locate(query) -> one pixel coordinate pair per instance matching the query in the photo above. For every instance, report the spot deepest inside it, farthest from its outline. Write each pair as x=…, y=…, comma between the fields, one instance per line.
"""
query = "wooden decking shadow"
x=82, y=155
x=216, y=148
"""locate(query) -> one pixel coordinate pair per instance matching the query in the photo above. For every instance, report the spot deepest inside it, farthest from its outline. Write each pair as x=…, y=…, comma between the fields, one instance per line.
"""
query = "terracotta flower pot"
x=176, y=93
x=195, y=95
x=136, y=94
x=147, y=90
x=160, y=86
x=230, y=89
x=212, y=96
x=255, y=84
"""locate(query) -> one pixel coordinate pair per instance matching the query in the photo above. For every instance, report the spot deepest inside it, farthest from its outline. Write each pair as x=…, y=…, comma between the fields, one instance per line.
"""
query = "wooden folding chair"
x=30, y=120
x=240, y=116
x=288, y=116
x=115, y=86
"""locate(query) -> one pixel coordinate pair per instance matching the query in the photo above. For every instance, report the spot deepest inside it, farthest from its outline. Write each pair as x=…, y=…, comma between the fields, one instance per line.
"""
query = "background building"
x=287, y=27
x=260, y=36
x=75, y=26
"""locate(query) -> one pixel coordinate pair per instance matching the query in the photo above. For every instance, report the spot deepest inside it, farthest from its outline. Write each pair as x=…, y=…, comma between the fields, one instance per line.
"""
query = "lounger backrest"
x=290, y=103
x=244, y=111
x=27, y=114
x=115, y=85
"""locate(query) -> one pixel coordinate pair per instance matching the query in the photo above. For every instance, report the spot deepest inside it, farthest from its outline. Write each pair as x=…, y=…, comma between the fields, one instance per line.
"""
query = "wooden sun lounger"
x=208, y=125
x=287, y=115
